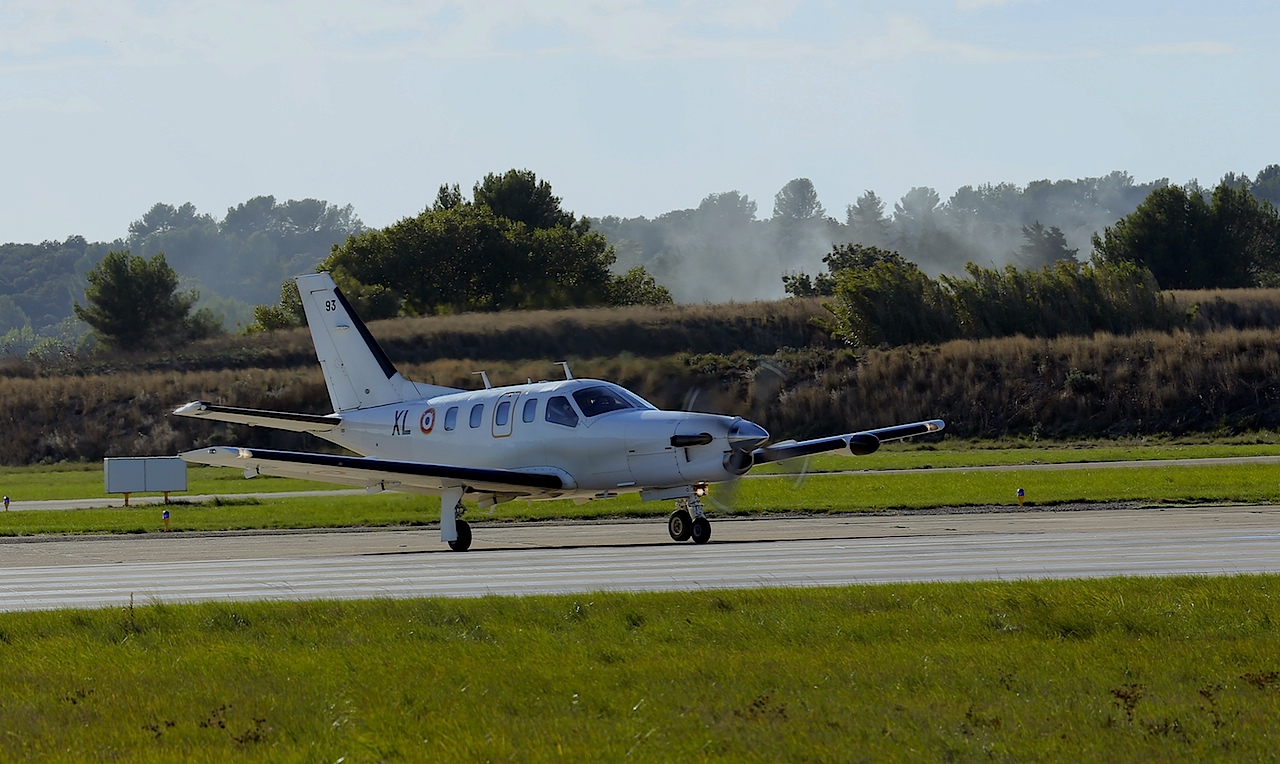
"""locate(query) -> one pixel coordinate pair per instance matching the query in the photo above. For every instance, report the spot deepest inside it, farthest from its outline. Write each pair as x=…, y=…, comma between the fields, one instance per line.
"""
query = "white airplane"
x=579, y=439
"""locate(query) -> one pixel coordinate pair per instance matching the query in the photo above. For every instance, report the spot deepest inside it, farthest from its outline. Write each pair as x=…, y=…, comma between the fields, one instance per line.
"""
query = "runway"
x=584, y=557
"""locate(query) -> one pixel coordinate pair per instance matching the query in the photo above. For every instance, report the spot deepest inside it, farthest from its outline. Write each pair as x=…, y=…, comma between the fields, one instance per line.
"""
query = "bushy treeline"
x=1194, y=239
x=716, y=251
x=250, y=251
x=511, y=246
x=232, y=263
x=39, y=282
x=885, y=300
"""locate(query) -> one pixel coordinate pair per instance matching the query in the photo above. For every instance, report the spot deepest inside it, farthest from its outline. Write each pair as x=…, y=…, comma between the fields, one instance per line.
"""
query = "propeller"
x=747, y=439
x=744, y=438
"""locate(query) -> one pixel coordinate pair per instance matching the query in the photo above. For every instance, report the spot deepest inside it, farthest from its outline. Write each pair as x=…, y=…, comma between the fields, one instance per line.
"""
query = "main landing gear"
x=689, y=522
x=463, y=542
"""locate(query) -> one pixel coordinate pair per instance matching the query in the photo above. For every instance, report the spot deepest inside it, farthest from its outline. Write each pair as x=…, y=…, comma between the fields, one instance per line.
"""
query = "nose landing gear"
x=689, y=522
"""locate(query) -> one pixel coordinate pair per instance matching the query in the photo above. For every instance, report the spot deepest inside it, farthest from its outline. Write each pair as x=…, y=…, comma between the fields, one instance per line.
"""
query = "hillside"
x=765, y=360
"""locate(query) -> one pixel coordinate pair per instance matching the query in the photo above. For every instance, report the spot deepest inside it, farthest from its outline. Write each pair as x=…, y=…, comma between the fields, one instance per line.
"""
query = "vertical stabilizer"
x=356, y=370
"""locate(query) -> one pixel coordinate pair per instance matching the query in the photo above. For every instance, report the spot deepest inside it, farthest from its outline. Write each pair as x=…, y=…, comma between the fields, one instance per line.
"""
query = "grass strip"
x=82, y=481
x=85, y=481
x=1002, y=454
x=857, y=492
x=1133, y=669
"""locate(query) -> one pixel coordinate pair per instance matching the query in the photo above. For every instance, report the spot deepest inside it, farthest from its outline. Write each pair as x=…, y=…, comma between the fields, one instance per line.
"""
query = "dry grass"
x=1230, y=308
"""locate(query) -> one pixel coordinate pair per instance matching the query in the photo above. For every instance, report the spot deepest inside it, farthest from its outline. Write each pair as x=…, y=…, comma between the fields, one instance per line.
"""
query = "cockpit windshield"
x=602, y=399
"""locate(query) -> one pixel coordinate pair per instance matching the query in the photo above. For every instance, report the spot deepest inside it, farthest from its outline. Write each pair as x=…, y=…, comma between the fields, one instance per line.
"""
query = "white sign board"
x=144, y=474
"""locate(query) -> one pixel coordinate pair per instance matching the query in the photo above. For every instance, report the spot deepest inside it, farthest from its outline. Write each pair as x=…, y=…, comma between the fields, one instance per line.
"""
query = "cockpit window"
x=595, y=401
x=559, y=411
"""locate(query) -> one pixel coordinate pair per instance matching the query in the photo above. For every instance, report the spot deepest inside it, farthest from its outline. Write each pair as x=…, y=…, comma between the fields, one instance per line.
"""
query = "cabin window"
x=560, y=412
x=477, y=415
x=451, y=418
x=595, y=401
x=530, y=410
x=502, y=417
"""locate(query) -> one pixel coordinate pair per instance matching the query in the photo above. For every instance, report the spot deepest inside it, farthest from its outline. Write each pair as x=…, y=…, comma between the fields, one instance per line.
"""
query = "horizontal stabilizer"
x=279, y=420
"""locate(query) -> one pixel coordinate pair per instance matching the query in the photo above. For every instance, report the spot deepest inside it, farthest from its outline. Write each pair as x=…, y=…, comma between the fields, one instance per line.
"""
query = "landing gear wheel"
x=463, y=542
x=679, y=525
x=701, y=530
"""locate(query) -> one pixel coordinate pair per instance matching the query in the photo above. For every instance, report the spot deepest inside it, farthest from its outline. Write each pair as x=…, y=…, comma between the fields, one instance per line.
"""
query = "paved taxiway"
x=638, y=556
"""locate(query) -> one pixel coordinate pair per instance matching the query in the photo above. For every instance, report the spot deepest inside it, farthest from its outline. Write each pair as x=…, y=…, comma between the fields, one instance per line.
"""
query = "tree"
x=637, y=287
x=1166, y=234
x=1043, y=246
x=913, y=215
x=457, y=255
x=11, y=315
x=258, y=215
x=797, y=202
x=729, y=207
x=286, y=314
x=448, y=197
x=866, y=220
x=163, y=217
x=1229, y=240
x=1266, y=186
x=891, y=302
x=519, y=196
x=843, y=257
x=132, y=303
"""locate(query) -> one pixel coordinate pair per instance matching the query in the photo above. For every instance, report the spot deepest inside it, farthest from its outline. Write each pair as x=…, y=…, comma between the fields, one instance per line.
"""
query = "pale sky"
x=633, y=107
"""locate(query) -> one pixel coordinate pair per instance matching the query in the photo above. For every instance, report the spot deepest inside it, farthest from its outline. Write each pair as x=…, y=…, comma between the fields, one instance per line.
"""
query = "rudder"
x=356, y=370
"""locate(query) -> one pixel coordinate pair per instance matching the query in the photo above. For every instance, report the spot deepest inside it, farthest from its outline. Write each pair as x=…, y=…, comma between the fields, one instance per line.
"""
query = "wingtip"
x=191, y=409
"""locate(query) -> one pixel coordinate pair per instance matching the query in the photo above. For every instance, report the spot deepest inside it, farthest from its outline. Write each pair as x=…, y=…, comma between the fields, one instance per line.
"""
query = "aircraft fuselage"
x=598, y=437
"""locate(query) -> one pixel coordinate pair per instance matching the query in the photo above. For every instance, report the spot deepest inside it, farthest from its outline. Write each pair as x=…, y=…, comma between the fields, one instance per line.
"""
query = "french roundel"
x=428, y=421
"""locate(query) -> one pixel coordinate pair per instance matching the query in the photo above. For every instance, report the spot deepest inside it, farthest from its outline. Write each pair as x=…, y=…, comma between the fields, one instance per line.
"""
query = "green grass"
x=78, y=481
x=1182, y=669
x=85, y=481
x=1013, y=453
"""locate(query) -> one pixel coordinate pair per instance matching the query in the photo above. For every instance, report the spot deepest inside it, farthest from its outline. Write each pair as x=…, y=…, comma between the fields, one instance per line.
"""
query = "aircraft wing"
x=279, y=420
x=859, y=443
x=370, y=472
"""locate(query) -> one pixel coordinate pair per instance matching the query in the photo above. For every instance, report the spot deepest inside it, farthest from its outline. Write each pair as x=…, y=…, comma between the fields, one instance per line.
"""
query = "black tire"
x=463, y=542
x=701, y=530
x=679, y=525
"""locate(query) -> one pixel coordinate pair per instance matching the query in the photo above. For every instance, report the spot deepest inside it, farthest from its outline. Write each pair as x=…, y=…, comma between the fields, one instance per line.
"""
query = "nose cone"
x=745, y=436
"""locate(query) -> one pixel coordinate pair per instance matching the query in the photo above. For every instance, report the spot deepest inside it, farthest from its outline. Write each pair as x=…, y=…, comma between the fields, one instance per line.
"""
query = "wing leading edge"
x=859, y=443
x=415, y=477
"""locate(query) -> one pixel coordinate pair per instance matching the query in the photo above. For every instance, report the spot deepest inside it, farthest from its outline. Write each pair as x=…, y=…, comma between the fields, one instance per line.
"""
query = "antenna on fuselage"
x=565, y=365
x=484, y=376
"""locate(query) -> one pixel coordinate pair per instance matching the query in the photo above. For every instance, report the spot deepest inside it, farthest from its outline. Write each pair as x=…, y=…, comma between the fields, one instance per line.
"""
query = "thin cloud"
x=240, y=35
x=67, y=106
x=976, y=5
x=1200, y=48
x=908, y=37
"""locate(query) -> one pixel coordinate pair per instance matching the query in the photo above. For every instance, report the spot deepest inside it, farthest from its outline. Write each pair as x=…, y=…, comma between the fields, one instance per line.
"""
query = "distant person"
x=6, y=504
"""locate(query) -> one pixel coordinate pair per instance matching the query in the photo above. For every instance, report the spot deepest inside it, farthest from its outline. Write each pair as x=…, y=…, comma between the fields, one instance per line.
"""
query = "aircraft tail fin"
x=356, y=370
